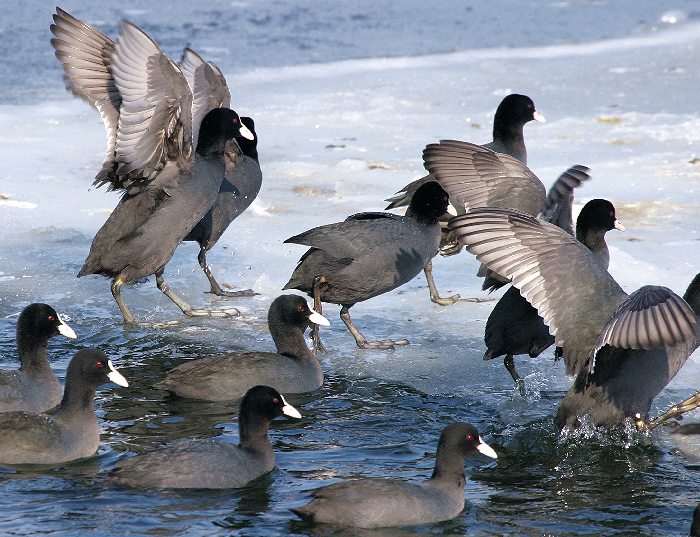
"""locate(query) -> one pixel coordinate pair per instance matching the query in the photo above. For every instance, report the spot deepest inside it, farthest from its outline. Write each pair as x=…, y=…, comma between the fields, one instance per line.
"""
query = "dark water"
x=620, y=483
x=242, y=34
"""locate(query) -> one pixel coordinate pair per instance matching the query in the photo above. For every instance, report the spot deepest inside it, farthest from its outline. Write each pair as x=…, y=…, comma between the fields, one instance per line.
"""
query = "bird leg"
x=510, y=366
x=185, y=307
x=361, y=340
x=318, y=307
x=116, y=293
x=434, y=294
x=676, y=411
x=215, y=287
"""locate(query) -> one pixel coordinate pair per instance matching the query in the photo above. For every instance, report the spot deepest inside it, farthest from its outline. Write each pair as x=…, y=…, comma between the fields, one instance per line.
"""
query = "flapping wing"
x=557, y=205
x=208, y=85
x=558, y=275
x=478, y=177
x=652, y=316
x=155, y=121
x=86, y=56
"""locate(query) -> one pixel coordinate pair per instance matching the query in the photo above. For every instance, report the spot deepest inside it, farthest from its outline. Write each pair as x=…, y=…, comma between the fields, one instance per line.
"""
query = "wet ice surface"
x=336, y=138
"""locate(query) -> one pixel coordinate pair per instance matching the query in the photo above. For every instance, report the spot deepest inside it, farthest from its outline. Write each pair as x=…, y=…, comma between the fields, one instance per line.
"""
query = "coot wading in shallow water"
x=34, y=387
x=626, y=348
x=71, y=431
x=292, y=369
x=148, y=109
x=239, y=189
x=367, y=255
x=512, y=114
x=514, y=326
x=476, y=177
x=376, y=503
x=208, y=464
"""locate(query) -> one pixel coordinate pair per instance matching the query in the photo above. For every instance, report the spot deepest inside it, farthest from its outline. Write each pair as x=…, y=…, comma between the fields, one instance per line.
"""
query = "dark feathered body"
x=143, y=231
x=365, y=256
x=240, y=187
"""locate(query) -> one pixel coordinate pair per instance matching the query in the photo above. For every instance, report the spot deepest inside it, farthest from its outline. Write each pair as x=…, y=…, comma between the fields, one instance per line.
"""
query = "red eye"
x=100, y=364
x=300, y=309
x=276, y=401
x=235, y=121
x=470, y=438
x=52, y=318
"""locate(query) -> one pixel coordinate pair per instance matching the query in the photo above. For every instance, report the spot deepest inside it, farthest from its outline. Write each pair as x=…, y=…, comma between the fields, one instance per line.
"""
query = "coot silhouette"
x=369, y=254
x=71, y=431
x=169, y=167
x=375, y=503
x=292, y=369
x=34, y=387
x=209, y=464
x=623, y=348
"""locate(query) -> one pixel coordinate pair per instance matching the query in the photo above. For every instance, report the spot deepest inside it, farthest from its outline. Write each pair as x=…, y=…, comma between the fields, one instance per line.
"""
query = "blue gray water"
x=379, y=413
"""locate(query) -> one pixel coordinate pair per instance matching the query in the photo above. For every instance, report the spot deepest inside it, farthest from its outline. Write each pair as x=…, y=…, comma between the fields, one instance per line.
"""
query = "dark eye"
x=52, y=318
x=100, y=364
x=235, y=121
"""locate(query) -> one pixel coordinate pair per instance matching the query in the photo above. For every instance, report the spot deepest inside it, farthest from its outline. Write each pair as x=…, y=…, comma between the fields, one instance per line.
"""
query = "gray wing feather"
x=155, y=122
x=652, y=316
x=208, y=85
x=558, y=275
x=557, y=205
x=86, y=56
x=478, y=177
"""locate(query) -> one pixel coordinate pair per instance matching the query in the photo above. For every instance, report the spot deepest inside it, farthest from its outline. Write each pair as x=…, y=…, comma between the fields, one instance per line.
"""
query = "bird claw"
x=445, y=301
x=385, y=344
x=224, y=314
x=243, y=293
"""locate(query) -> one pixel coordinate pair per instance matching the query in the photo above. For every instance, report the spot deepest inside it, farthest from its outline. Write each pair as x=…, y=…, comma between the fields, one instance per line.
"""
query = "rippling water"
x=336, y=138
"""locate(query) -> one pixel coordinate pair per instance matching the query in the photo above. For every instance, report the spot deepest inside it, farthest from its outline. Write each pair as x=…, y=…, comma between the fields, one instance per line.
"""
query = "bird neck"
x=77, y=398
x=511, y=136
x=594, y=240
x=211, y=145
x=449, y=467
x=252, y=431
x=423, y=219
x=248, y=147
x=32, y=351
x=290, y=342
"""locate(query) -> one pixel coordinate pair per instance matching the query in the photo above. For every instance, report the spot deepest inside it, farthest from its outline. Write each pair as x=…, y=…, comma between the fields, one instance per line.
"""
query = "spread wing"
x=86, y=56
x=208, y=85
x=652, y=316
x=558, y=275
x=478, y=177
x=557, y=204
x=155, y=121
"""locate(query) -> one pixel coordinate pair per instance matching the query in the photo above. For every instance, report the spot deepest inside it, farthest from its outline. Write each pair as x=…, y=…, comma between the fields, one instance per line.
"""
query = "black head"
x=463, y=438
x=429, y=202
x=219, y=125
x=248, y=147
x=92, y=368
x=40, y=321
x=516, y=109
x=266, y=403
x=597, y=214
x=293, y=310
